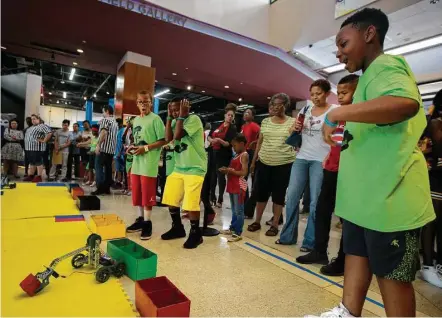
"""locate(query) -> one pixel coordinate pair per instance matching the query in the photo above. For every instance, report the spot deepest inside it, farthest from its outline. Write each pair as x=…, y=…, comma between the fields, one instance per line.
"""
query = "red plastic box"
x=30, y=285
x=159, y=297
x=77, y=192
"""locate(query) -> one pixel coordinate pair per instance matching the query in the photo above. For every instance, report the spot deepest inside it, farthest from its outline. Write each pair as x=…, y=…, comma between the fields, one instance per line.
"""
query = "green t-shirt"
x=147, y=130
x=383, y=179
x=94, y=142
x=190, y=154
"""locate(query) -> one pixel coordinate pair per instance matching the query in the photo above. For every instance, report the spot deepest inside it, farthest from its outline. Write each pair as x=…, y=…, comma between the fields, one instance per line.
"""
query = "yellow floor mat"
x=30, y=201
x=29, y=244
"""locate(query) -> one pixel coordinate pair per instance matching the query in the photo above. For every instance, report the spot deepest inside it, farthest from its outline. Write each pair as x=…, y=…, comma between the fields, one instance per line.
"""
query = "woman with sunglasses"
x=273, y=159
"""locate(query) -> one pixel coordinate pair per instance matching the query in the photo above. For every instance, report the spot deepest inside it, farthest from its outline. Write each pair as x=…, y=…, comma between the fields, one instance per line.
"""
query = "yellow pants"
x=183, y=188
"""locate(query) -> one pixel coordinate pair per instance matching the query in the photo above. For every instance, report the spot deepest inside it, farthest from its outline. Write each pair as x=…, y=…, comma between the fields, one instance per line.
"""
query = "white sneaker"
x=226, y=232
x=93, y=184
x=432, y=274
x=337, y=312
x=235, y=238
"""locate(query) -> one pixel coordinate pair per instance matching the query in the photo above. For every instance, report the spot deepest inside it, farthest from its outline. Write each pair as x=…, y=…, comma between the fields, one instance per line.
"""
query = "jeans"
x=104, y=182
x=237, y=213
x=301, y=170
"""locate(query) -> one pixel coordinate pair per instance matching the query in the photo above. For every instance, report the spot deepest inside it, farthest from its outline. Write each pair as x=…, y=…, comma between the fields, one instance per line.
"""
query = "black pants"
x=106, y=163
x=73, y=159
x=206, y=189
x=26, y=162
x=250, y=204
x=324, y=211
x=221, y=161
x=211, y=169
x=47, y=158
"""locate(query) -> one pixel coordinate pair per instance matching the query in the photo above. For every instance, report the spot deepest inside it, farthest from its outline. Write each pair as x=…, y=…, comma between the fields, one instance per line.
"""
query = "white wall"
x=54, y=116
x=297, y=23
x=15, y=84
x=33, y=91
x=246, y=17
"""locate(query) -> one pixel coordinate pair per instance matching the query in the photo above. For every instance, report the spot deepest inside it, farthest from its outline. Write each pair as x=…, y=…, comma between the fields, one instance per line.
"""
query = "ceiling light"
x=95, y=95
x=156, y=81
x=189, y=88
x=268, y=97
x=71, y=76
x=50, y=93
x=3, y=47
x=203, y=91
x=69, y=103
x=64, y=94
x=75, y=63
x=84, y=42
x=227, y=86
x=427, y=97
x=420, y=45
x=162, y=93
x=85, y=98
x=408, y=48
x=107, y=93
x=174, y=74
x=80, y=51
x=187, y=68
x=58, y=102
x=241, y=83
x=240, y=99
x=62, y=82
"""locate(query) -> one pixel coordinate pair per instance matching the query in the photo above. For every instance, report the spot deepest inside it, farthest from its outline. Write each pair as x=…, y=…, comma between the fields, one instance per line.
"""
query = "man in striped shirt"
x=105, y=150
x=36, y=138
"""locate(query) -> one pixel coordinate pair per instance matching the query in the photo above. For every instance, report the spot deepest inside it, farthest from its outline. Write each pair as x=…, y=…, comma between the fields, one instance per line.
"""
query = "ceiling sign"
x=147, y=10
x=343, y=7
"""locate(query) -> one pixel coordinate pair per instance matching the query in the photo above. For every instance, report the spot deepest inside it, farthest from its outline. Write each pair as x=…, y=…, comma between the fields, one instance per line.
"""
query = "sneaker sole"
x=324, y=262
x=332, y=274
x=145, y=238
x=174, y=238
x=191, y=248
x=133, y=231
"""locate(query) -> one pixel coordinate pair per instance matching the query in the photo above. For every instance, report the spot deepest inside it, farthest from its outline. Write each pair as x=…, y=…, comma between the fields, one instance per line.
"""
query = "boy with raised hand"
x=148, y=134
x=383, y=190
x=183, y=186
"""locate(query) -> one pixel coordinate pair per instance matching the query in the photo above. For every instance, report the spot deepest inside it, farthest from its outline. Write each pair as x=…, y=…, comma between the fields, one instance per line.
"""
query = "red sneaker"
x=37, y=179
x=211, y=218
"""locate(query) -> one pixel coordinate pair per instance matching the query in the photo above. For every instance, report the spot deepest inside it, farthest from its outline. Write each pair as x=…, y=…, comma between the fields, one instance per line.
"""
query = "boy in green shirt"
x=383, y=191
x=184, y=185
x=148, y=134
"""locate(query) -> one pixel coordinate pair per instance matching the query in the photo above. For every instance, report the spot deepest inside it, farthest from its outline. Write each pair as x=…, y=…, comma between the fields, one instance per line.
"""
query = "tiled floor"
x=253, y=277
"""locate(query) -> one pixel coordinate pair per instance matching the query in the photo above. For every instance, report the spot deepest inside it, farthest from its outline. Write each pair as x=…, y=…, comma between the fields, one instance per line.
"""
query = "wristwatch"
x=146, y=148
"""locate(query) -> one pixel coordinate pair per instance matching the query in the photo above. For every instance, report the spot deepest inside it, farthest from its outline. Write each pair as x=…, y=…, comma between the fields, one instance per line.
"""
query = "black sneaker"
x=136, y=227
x=195, y=239
x=335, y=268
x=51, y=179
x=146, y=230
x=64, y=180
x=313, y=257
x=177, y=231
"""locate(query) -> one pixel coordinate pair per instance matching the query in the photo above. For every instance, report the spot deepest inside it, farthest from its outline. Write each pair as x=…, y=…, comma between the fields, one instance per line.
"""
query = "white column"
x=33, y=91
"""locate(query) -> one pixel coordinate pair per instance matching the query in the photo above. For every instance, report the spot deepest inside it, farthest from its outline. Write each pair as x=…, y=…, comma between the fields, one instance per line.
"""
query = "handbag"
x=295, y=139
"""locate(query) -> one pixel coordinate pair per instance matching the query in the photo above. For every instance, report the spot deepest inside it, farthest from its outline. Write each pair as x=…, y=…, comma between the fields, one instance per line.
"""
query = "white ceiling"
x=410, y=24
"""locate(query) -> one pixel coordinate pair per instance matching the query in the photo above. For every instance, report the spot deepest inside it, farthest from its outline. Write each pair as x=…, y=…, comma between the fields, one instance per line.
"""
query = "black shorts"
x=35, y=158
x=272, y=181
x=436, y=180
x=393, y=255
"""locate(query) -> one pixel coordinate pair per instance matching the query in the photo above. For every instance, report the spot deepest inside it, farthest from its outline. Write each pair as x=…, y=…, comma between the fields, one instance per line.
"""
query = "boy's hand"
x=184, y=108
x=139, y=150
x=327, y=130
x=169, y=110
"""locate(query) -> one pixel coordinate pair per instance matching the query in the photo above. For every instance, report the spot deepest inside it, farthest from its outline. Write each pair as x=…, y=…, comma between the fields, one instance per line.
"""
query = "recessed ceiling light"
x=187, y=68
x=240, y=99
x=69, y=102
x=62, y=82
x=85, y=98
x=107, y=93
x=227, y=86
x=156, y=81
x=58, y=102
x=3, y=47
x=241, y=83
x=189, y=88
x=50, y=93
x=84, y=42
x=268, y=97
x=95, y=95
x=80, y=51
x=75, y=63
x=203, y=91
x=174, y=74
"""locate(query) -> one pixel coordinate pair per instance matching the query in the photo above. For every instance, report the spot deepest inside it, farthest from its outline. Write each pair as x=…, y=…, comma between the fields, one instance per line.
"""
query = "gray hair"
x=282, y=96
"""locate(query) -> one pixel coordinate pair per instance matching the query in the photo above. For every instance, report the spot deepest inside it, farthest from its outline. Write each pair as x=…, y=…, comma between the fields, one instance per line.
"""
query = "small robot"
x=93, y=256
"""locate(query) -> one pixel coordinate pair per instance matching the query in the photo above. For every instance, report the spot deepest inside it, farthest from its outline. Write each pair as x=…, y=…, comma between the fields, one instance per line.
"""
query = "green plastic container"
x=140, y=262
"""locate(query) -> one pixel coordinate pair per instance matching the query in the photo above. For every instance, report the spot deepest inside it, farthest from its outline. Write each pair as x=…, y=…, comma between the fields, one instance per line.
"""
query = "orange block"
x=77, y=192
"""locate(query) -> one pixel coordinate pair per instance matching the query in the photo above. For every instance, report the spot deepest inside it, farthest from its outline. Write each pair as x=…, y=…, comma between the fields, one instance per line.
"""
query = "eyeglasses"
x=277, y=105
x=144, y=102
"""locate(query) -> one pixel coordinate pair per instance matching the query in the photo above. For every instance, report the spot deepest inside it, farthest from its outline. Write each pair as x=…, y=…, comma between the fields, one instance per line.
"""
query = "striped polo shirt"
x=110, y=142
x=274, y=151
x=33, y=134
